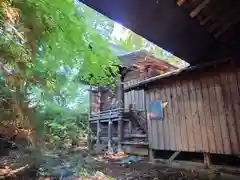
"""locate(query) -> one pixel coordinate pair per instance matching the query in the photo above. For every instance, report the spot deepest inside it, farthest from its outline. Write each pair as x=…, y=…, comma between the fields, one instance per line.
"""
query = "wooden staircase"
x=138, y=131
x=140, y=119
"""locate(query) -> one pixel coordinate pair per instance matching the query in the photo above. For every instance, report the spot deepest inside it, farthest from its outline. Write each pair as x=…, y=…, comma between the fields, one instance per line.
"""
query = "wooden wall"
x=136, y=98
x=202, y=112
x=106, y=100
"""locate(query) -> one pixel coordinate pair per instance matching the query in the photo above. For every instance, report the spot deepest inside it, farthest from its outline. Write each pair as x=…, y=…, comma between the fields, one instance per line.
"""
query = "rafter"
x=180, y=2
x=199, y=8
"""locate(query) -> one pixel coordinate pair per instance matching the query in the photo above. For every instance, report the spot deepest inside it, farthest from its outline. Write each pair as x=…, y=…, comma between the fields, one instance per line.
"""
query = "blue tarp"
x=156, y=110
x=130, y=159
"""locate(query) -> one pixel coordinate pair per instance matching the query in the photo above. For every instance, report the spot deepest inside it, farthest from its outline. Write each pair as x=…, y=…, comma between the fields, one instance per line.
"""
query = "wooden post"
x=89, y=138
x=120, y=99
x=89, y=115
x=110, y=149
x=130, y=107
x=207, y=159
x=120, y=134
x=98, y=132
x=151, y=156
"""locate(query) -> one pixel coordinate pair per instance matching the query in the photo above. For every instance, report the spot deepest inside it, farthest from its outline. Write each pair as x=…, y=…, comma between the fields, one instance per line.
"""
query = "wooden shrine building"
x=120, y=118
x=194, y=109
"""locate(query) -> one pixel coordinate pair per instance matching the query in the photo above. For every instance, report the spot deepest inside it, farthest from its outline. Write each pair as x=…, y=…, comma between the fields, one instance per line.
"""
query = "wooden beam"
x=107, y=111
x=213, y=27
x=226, y=27
x=101, y=117
x=204, y=21
x=138, y=135
x=142, y=151
x=135, y=143
x=151, y=155
x=173, y=157
x=120, y=134
x=199, y=8
x=214, y=11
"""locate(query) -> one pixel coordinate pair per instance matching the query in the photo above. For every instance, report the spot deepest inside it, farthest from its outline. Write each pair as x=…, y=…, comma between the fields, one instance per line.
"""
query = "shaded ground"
x=107, y=166
x=146, y=171
x=143, y=170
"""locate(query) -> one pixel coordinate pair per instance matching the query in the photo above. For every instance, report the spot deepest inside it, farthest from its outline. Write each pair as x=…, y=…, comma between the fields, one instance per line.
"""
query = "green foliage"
x=46, y=48
x=62, y=126
x=103, y=25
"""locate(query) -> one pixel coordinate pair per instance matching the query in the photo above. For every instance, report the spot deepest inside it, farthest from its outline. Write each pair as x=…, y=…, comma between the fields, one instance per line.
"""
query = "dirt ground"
x=145, y=171
x=109, y=166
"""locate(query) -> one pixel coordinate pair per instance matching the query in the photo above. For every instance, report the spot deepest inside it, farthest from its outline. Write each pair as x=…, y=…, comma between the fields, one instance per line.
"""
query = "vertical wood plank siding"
x=136, y=98
x=202, y=113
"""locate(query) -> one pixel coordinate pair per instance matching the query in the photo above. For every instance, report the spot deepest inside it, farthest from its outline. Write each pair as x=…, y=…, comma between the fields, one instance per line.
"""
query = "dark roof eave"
x=190, y=42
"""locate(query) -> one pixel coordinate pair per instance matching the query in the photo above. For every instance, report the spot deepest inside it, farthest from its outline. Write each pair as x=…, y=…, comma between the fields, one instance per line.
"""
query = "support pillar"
x=110, y=149
x=151, y=156
x=89, y=138
x=120, y=134
x=98, y=132
x=120, y=102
